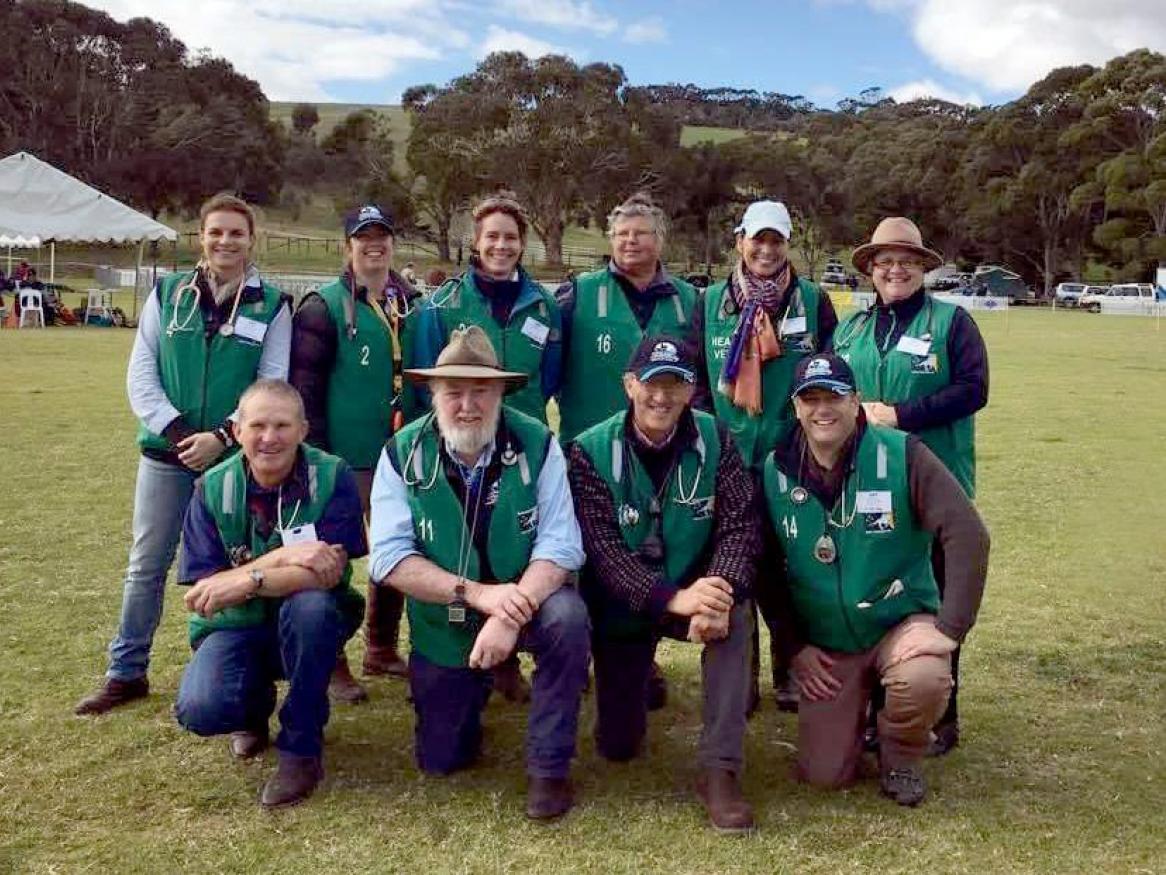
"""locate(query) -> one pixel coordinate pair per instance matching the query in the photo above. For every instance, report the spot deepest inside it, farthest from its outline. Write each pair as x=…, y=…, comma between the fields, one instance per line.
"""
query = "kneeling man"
x=856, y=507
x=472, y=520
x=667, y=511
x=267, y=542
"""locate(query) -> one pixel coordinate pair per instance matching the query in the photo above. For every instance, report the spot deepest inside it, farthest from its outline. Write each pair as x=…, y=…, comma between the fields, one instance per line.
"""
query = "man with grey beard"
x=472, y=521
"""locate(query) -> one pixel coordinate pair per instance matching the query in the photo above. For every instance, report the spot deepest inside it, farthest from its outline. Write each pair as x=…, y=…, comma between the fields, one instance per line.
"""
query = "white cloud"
x=648, y=30
x=564, y=14
x=1007, y=45
x=929, y=88
x=292, y=49
x=499, y=39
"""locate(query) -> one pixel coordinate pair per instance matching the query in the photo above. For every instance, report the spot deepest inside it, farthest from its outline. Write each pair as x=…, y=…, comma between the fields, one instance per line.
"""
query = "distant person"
x=409, y=273
x=856, y=507
x=921, y=366
x=349, y=341
x=267, y=548
x=203, y=337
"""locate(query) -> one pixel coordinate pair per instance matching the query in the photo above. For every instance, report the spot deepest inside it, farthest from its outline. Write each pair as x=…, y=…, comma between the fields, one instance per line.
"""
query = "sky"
x=370, y=51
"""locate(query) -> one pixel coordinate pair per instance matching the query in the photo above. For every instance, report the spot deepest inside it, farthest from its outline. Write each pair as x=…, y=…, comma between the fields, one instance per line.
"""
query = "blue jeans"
x=449, y=701
x=229, y=683
x=160, y=499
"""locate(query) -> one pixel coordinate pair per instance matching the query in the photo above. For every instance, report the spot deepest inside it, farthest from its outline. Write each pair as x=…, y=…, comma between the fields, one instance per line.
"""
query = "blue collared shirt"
x=391, y=533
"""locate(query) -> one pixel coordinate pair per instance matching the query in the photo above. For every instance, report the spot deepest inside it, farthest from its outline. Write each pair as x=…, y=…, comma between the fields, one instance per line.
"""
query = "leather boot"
x=509, y=682
x=343, y=687
x=720, y=791
x=381, y=630
x=112, y=694
x=295, y=779
x=548, y=798
x=248, y=743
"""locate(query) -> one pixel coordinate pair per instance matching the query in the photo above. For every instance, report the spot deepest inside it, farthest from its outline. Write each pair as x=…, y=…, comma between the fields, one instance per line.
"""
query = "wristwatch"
x=257, y=577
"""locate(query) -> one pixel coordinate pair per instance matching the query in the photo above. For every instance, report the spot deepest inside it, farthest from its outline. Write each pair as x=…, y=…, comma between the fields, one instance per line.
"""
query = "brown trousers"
x=830, y=732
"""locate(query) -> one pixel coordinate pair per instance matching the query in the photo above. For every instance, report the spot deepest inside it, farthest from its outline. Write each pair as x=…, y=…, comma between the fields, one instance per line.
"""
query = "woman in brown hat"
x=921, y=366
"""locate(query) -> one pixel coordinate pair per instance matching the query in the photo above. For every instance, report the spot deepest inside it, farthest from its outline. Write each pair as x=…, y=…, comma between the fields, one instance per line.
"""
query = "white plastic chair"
x=30, y=305
x=99, y=302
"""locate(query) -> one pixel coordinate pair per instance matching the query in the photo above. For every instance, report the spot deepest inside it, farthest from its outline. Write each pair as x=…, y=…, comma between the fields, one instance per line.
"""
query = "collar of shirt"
x=906, y=309
x=470, y=474
x=262, y=500
x=660, y=285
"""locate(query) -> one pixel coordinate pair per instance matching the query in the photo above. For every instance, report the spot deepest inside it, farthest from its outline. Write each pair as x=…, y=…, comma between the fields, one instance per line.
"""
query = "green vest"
x=882, y=572
x=225, y=494
x=893, y=376
x=439, y=524
x=604, y=334
x=360, y=387
x=516, y=342
x=756, y=436
x=687, y=506
x=204, y=380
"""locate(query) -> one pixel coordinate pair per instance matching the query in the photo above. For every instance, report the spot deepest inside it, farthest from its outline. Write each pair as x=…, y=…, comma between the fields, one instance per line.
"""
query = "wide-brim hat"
x=895, y=232
x=469, y=355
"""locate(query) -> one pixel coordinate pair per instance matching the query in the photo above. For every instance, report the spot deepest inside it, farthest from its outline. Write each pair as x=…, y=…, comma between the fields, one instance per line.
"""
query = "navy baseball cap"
x=824, y=371
x=366, y=216
x=663, y=355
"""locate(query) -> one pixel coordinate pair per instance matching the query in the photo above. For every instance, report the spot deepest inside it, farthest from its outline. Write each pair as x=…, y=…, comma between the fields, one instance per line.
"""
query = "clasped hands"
x=507, y=610
x=234, y=586
x=707, y=603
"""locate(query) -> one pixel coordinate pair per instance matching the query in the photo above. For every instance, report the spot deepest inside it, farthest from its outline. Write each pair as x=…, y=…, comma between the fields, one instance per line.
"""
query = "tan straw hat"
x=895, y=232
x=468, y=355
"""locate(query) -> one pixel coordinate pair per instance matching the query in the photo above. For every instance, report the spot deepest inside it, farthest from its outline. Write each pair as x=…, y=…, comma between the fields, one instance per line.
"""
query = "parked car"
x=1122, y=292
x=834, y=273
x=1068, y=294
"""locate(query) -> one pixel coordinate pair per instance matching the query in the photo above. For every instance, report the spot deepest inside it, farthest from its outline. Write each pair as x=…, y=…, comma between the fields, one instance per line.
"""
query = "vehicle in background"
x=1121, y=293
x=999, y=282
x=1068, y=294
x=834, y=273
x=953, y=283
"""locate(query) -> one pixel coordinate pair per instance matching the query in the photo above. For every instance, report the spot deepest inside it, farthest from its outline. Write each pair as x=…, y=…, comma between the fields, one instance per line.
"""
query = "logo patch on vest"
x=492, y=493
x=628, y=516
x=879, y=522
x=702, y=508
x=528, y=520
x=925, y=364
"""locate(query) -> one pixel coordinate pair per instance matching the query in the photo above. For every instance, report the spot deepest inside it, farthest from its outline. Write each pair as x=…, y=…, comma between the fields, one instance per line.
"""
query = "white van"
x=1122, y=295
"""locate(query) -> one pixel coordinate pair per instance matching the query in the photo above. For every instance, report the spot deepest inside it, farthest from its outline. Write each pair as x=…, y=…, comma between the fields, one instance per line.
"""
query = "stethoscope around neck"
x=191, y=285
x=399, y=304
x=415, y=476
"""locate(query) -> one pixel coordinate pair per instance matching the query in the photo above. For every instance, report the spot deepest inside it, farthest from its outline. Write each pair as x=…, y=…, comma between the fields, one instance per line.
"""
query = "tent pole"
x=52, y=261
x=137, y=274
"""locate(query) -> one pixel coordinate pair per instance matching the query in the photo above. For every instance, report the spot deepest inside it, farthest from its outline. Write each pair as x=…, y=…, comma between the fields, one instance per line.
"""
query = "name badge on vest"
x=536, y=331
x=250, y=329
x=528, y=520
x=303, y=534
x=796, y=325
x=913, y=345
x=877, y=501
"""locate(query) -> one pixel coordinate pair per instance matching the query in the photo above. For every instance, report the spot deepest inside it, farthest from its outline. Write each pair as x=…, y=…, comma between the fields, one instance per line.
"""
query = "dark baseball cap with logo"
x=824, y=371
x=366, y=216
x=663, y=355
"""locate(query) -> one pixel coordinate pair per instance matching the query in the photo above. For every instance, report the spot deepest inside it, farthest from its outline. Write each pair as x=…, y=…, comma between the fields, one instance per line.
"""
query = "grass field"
x=1061, y=769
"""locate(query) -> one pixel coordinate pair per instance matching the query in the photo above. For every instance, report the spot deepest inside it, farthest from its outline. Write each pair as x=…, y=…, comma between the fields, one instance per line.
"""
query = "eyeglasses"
x=886, y=262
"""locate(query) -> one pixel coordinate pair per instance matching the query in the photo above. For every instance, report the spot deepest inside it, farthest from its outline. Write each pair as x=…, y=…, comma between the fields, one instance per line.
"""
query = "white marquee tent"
x=40, y=203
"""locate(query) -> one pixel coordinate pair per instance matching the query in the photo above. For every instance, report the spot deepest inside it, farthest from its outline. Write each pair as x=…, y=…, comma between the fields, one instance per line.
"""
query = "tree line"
x=1069, y=177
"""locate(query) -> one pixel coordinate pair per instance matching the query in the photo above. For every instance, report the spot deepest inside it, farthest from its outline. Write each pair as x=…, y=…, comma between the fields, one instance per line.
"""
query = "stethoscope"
x=860, y=325
x=413, y=471
x=191, y=285
x=399, y=307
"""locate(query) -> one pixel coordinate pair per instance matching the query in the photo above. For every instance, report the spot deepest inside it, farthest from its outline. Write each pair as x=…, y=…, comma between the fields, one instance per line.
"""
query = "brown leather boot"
x=343, y=687
x=248, y=743
x=720, y=791
x=294, y=780
x=509, y=682
x=112, y=694
x=382, y=628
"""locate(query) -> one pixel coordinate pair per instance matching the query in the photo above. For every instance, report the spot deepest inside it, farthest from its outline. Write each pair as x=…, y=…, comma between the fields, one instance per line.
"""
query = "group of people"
x=718, y=454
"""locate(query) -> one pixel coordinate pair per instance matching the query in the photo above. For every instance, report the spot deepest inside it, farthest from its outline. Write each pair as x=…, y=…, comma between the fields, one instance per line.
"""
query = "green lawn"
x=691, y=135
x=1061, y=768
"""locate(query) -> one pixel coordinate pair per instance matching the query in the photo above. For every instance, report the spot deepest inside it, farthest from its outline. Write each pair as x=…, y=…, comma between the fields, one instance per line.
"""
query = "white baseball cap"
x=766, y=216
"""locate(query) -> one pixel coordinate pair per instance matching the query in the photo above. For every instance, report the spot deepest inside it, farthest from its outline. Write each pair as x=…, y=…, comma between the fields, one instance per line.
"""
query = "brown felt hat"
x=468, y=355
x=895, y=232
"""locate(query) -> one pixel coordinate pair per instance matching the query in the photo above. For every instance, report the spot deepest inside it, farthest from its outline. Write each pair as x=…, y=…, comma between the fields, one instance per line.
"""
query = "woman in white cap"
x=921, y=366
x=758, y=324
